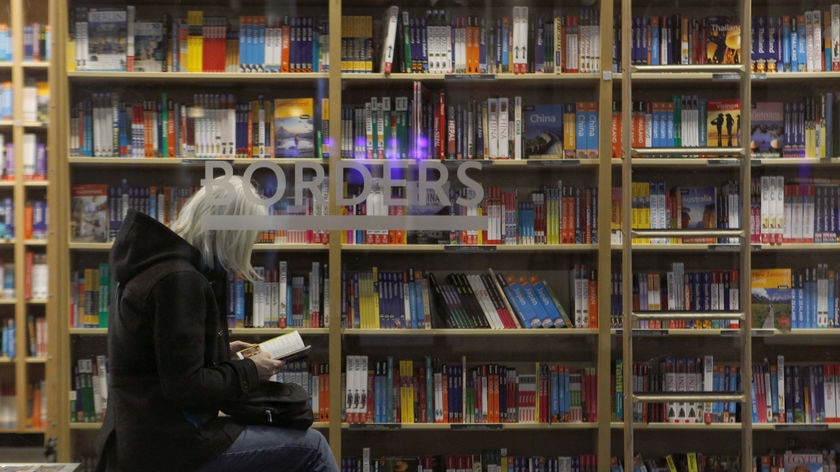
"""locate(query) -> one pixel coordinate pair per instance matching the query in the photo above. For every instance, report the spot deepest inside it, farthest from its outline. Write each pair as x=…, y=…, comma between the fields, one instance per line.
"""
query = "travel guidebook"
x=287, y=346
x=767, y=136
x=89, y=213
x=724, y=122
x=294, y=127
x=771, y=298
x=543, y=130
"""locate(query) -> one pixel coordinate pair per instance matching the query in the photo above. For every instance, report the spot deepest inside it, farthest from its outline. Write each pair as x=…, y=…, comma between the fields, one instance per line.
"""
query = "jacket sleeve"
x=191, y=354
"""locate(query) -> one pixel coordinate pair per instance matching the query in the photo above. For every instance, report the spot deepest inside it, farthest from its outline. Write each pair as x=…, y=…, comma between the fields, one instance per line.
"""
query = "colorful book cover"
x=697, y=210
x=803, y=462
x=724, y=122
x=89, y=216
x=294, y=127
x=149, y=46
x=723, y=40
x=771, y=298
x=107, y=40
x=767, y=134
x=543, y=130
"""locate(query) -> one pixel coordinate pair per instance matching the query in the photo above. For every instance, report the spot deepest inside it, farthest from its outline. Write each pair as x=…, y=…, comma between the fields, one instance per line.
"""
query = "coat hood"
x=142, y=242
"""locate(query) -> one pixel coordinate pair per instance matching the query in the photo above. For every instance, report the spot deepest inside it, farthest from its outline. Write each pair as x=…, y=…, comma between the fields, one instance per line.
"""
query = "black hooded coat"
x=169, y=363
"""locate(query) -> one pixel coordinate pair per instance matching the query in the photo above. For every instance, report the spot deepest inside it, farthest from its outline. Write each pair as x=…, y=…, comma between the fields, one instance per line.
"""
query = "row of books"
x=394, y=390
x=781, y=298
x=782, y=210
x=491, y=460
x=800, y=42
x=807, y=458
x=36, y=405
x=781, y=393
x=285, y=297
x=114, y=39
x=36, y=42
x=680, y=207
x=680, y=290
x=35, y=286
x=416, y=299
x=89, y=395
x=214, y=125
x=35, y=99
x=438, y=41
x=90, y=290
x=798, y=298
x=684, y=39
x=812, y=459
x=798, y=128
x=442, y=126
x=561, y=214
x=678, y=374
x=314, y=377
x=89, y=392
x=795, y=393
x=34, y=158
x=98, y=210
x=7, y=218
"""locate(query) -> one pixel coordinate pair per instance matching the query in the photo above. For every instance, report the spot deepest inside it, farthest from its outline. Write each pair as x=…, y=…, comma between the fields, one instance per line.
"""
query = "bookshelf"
x=603, y=242
x=27, y=373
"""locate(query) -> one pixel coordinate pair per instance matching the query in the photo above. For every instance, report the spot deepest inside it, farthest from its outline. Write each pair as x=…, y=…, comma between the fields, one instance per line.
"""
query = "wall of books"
x=444, y=344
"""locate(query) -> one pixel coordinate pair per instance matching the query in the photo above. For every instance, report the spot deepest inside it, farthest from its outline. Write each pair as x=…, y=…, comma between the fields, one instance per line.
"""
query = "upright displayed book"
x=771, y=298
x=89, y=213
x=696, y=209
x=543, y=130
x=767, y=134
x=724, y=122
x=294, y=127
x=723, y=40
x=107, y=42
x=149, y=47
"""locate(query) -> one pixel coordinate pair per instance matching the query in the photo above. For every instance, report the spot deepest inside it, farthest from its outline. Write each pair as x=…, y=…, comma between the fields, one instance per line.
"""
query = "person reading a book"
x=171, y=365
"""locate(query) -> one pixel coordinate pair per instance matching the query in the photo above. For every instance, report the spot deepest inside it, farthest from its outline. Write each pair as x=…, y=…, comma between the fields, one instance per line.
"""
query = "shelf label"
x=726, y=76
x=477, y=427
x=724, y=247
x=470, y=248
x=376, y=426
x=649, y=332
x=800, y=427
x=758, y=76
x=553, y=162
x=723, y=162
x=469, y=76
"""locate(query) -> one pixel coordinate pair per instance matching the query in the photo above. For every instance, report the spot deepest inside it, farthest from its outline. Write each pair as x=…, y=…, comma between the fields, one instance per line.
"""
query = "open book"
x=286, y=346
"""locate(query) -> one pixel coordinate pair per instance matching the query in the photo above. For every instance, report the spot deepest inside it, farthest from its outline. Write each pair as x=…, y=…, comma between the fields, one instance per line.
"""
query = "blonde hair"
x=230, y=248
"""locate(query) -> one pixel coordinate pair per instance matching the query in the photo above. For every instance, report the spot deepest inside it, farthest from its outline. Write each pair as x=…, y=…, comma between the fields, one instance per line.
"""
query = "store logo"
x=433, y=176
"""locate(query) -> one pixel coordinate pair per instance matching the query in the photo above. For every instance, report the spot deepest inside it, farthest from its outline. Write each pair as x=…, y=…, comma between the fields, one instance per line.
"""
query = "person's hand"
x=266, y=366
x=237, y=346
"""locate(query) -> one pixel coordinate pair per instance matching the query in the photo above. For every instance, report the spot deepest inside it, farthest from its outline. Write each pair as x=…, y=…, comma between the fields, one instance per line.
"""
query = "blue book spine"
x=802, y=50
x=655, y=40
x=785, y=66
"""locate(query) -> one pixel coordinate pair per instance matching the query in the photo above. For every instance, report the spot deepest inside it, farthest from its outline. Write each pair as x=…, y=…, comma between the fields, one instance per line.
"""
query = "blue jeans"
x=269, y=448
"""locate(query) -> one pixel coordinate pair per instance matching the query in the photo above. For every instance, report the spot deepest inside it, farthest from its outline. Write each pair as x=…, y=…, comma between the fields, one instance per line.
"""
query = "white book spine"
x=129, y=36
x=503, y=122
x=835, y=37
x=517, y=127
